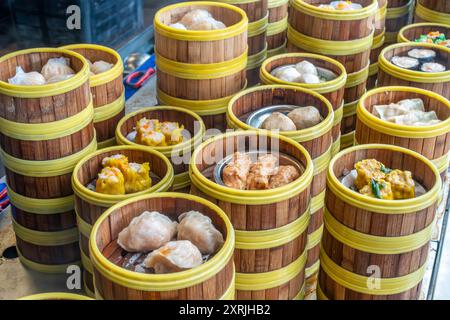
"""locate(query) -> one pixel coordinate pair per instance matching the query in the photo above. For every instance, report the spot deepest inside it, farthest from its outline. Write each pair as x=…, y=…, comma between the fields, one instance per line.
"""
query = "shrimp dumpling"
x=101, y=66
x=194, y=16
x=306, y=67
x=305, y=117
x=207, y=24
x=174, y=256
x=309, y=78
x=110, y=181
x=137, y=177
x=23, y=78
x=152, y=139
x=146, y=232
x=56, y=67
x=278, y=121
x=198, y=229
x=178, y=26
x=289, y=75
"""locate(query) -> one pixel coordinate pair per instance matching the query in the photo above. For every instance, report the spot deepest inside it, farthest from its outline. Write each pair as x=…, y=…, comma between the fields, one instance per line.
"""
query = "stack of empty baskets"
x=45, y=131
x=437, y=11
x=277, y=28
x=378, y=42
x=346, y=36
x=398, y=15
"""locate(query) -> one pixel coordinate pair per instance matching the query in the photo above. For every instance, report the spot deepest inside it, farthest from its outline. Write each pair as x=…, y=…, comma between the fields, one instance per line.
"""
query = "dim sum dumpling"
x=289, y=75
x=152, y=138
x=207, y=24
x=172, y=131
x=174, y=256
x=278, y=121
x=56, y=67
x=146, y=232
x=306, y=67
x=178, y=26
x=32, y=78
x=309, y=78
x=194, y=16
x=101, y=66
x=110, y=181
x=198, y=229
x=118, y=161
x=305, y=117
x=137, y=177
x=59, y=78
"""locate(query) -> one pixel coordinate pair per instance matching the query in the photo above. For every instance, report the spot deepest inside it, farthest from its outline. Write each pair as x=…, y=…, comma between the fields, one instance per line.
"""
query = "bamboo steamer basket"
x=429, y=141
x=380, y=17
x=332, y=90
x=55, y=296
x=253, y=66
x=178, y=154
x=201, y=70
x=45, y=130
x=277, y=28
x=347, y=140
x=88, y=281
x=387, y=238
x=210, y=281
x=398, y=15
x=388, y=74
x=90, y=205
x=432, y=11
x=413, y=31
x=377, y=47
x=107, y=90
x=345, y=36
x=271, y=225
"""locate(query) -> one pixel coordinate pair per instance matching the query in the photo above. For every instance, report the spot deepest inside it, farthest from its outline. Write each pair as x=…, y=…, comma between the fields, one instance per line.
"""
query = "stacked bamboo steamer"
x=332, y=90
x=212, y=280
x=437, y=11
x=378, y=42
x=398, y=15
x=201, y=70
x=317, y=140
x=270, y=225
x=277, y=28
x=258, y=19
x=45, y=131
x=346, y=36
x=413, y=31
x=90, y=205
x=108, y=92
x=372, y=248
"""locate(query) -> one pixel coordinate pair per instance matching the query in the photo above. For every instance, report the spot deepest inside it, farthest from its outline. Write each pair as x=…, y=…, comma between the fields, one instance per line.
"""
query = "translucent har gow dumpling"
x=178, y=26
x=306, y=67
x=59, y=78
x=146, y=232
x=32, y=78
x=194, y=16
x=101, y=66
x=207, y=24
x=278, y=121
x=174, y=256
x=198, y=229
x=305, y=117
x=289, y=75
x=57, y=67
x=309, y=78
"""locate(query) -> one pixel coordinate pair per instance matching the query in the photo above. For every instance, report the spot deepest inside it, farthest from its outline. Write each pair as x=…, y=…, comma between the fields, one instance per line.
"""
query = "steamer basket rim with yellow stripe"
x=383, y=206
x=400, y=130
x=166, y=150
x=411, y=75
x=324, y=13
x=323, y=87
x=431, y=15
x=108, y=199
x=200, y=35
x=298, y=135
x=46, y=90
x=401, y=34
x=104, y=77
x=251, y=196
x=276, y=3
x=162, y=282
x=395, y=12
x=55, y=296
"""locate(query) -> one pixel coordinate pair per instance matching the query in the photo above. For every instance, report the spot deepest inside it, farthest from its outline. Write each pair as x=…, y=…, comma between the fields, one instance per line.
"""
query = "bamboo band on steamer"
x=315, y=11
x=431, y=15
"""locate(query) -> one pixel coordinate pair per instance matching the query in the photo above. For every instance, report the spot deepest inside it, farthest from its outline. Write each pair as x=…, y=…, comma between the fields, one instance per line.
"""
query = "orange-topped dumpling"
x=367, y=170
x=137, y=177
x=402, y=184
x=110, y=181
x=151, y=138
x=118, y=161
x=172, y=131
x=145, y=125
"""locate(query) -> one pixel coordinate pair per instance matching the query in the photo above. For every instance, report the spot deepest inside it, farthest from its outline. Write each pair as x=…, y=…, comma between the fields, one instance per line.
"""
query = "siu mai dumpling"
x=56, y=67
x=118, y=161
x=145, y=125
x=174, y=256
x=235, y=173
x=260, y=172
x=137, y=177
x=146, y=232
x=285, y=175
x=151, y=138
x=110, y=181
x=198, y=229
x=172, y=131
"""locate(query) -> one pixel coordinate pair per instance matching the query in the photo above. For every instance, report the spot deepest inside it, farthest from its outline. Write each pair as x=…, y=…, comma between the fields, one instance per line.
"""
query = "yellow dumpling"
x=367, y=170
x=402, y=184
x=151, y=138
x=379, y=189
x=110, y=181
x=172, y=132
x=137, y=177
x=145, y=125
x=118, y=161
